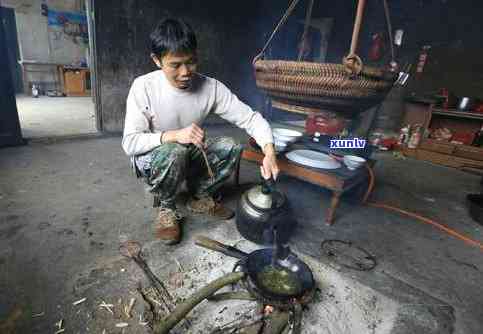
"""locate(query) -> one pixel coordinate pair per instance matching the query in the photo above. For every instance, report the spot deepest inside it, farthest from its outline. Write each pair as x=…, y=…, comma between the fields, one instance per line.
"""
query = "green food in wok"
x=279, y=281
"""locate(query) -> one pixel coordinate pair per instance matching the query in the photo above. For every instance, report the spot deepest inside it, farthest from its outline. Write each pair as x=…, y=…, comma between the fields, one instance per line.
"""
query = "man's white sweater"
x=154, y=105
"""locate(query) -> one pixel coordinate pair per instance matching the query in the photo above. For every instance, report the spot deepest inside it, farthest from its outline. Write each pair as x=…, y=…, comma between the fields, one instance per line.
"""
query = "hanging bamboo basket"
x=348, y=87
x=325, y=86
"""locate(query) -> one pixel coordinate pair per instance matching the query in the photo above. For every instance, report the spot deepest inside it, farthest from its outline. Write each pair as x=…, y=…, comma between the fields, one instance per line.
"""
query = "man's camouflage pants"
x=165, y=167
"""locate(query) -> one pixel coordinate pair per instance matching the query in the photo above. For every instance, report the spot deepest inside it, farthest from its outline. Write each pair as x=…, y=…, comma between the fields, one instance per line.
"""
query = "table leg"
x=334, y=202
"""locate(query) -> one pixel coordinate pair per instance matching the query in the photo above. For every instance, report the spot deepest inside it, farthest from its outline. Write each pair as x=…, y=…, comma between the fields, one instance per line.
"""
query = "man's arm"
x=269, y=166
x=230, y=108
x=191, y=134
x=137, y=137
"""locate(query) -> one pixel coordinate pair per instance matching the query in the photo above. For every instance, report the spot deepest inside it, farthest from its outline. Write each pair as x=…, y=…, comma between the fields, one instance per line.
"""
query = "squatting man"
x=163, y=131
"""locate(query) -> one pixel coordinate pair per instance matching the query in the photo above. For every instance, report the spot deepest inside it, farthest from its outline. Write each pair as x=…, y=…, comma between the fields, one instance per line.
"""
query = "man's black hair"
x=172, y=35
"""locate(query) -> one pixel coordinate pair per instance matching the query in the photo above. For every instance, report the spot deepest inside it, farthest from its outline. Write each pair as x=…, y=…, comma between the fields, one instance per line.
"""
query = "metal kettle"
x=262, y=209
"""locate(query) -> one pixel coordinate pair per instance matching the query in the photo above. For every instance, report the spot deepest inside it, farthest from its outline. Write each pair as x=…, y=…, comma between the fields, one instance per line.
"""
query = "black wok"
x=255, y=262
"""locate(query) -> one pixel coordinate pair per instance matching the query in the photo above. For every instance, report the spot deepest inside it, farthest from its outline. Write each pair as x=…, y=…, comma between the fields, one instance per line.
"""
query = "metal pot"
x=262, y=209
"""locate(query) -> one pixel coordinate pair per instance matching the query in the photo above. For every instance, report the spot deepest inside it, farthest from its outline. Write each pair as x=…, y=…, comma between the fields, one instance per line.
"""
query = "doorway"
x=50, y=62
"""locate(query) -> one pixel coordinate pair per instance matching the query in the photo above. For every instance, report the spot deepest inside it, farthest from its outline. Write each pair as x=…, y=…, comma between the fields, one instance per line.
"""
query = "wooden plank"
x=295, y=108
x=468, y=152
x=437, y=146
x=314, y=177
x=442, y=159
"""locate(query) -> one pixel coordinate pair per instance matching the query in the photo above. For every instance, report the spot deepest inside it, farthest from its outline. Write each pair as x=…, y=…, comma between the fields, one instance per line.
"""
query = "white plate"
x=286, y=135
x=313, y=159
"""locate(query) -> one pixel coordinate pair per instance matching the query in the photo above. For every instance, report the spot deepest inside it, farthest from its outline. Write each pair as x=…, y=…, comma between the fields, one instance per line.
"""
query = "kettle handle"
x=267, y=185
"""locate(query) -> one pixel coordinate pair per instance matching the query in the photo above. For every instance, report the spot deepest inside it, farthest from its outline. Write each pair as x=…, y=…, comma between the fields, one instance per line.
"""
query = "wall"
x=42, y=43
x=453, y=29
x=228, y=37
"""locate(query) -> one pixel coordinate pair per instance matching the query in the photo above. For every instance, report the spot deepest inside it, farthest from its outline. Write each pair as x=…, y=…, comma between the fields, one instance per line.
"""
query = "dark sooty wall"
x=227, y=34
x=231, y=33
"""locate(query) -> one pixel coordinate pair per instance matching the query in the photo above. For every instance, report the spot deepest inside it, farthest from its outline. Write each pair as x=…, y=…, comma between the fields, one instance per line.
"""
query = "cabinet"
x=75, y=81
x=464, y=125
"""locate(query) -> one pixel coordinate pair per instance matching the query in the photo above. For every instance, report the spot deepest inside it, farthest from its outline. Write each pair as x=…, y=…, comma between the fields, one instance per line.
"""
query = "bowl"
x=353, y=162
x=280, y=146
x=286, y=135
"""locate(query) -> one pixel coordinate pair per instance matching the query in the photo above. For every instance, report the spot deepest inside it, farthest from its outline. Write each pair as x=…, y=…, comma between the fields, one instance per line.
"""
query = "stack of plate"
x=313, y=159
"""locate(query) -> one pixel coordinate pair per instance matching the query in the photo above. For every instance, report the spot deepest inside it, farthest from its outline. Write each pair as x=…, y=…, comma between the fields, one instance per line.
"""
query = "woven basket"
x=322, y=85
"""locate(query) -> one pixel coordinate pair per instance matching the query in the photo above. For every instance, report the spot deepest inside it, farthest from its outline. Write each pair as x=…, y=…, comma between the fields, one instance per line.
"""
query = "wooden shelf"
x=441, y=152
x=459, y=114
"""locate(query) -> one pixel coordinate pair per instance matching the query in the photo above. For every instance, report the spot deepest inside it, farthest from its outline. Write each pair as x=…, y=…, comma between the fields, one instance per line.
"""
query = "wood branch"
x=286, y=330
x=238, y=295
x=208, y=166
x=239, y=326
x=276, y=322
x=132, y=250
x=254, y=328
x=297, y=319
x=165, y=325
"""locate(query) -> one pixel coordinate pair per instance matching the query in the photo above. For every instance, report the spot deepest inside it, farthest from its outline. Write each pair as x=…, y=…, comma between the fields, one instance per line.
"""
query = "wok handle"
x=219, y=247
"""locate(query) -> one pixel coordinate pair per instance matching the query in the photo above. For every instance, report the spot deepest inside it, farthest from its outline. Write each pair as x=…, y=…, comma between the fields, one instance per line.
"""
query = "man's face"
x=179, y=68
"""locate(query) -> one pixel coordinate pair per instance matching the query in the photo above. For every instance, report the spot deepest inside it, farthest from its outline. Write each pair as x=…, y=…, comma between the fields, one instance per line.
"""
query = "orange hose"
x=443, y=228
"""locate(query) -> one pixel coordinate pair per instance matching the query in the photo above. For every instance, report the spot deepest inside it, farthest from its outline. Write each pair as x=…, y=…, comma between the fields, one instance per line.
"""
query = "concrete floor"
x=65, y=206
x=55, y=116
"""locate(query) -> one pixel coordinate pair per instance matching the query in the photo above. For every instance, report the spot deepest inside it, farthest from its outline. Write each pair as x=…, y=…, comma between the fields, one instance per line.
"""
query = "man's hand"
x=192, y=134
x=269, y=168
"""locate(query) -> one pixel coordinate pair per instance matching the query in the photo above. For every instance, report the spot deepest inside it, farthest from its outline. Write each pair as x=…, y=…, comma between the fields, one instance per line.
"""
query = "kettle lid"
x=259, y=198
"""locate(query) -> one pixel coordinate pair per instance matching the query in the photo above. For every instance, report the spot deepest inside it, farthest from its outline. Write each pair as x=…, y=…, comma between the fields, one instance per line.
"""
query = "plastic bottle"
x=415, y=137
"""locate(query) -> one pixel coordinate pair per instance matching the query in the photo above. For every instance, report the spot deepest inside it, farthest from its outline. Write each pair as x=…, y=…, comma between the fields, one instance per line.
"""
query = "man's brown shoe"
x=167, y=226
x=208, y=206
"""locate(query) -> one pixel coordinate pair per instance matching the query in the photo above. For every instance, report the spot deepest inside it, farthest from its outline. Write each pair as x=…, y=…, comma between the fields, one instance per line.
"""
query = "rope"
x=282, y=21
x=389, y=28
x=308, y=16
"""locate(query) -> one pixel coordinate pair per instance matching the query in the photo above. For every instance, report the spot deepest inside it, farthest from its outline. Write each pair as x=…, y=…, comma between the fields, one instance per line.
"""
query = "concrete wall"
x=43, y=44
x=228, y=37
